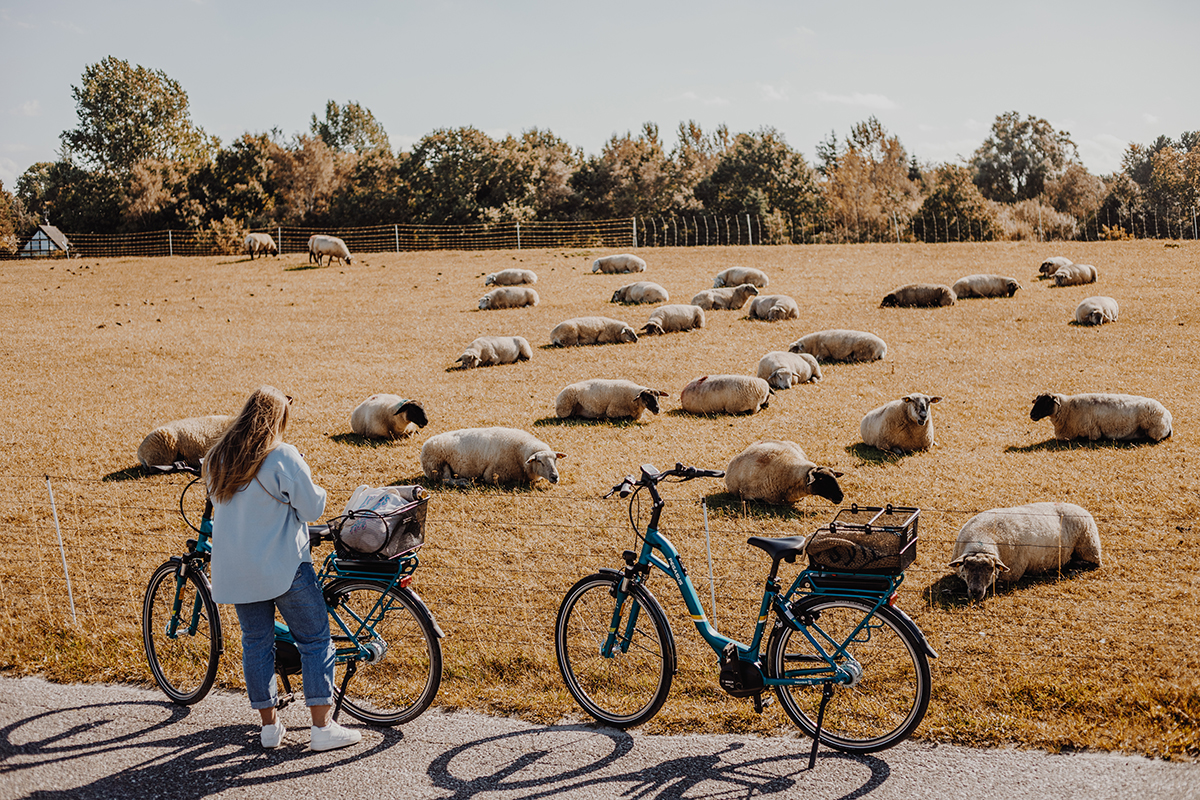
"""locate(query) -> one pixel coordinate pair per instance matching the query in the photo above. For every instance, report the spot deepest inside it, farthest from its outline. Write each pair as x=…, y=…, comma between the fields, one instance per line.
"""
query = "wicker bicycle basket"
x=871, y=539
x=364, y=533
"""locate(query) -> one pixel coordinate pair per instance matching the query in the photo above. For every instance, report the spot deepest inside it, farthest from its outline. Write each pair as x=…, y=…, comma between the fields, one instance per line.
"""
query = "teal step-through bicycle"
x=849, y=667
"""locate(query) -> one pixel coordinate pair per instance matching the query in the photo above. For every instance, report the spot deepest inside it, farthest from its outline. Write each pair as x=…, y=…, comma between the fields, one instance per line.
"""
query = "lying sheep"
x=1096, y=311
x=1010, y=542
x=784, y=370
x=510, y=277
x=673, y=319
x=1051, y=265
x=591, y=330
x=387, y=416
x=726, y=299
x=509, y=297
x=640, y=292
x=259, y=244
x=778, y=472
x=774, y=307
x=489, y=350
x=841, y=345
x=492, y=455
x=736, y=276
x=925, y=295
x=612, y=265
x=1124, y=417
x=725, y=394
x=900, y=426
x=1075, y=275
x=606, y=399
x=985, y=286
x=182, y=440
x=320, y=245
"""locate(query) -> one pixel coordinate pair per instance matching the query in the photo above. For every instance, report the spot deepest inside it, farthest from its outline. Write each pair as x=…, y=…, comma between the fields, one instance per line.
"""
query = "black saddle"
x=787, y=547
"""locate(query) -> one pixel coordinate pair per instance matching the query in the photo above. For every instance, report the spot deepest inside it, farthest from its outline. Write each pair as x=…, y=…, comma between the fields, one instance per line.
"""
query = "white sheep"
x=837, y=344
x=1011, y=542
x=599, y=398
x=259, y=244
x=725, y=394
x=985, y=286
x=1096, y=311
x=640, y=292
x=777, y=471
x=509, y=297
x=591, y=330
x=919, y=295
x=1051, y=265
x=489, y=350
x=736, y=276
x=387, y=416
x=510, y=277
x=612, y=265
x=182, y=440
x=774, y=307
x=492, y=455
x=726, y=299
x=1124, y=417
x=783, y=370
x=1075, y=275
x=900, y=426
x=673, y=319
x=320, y=245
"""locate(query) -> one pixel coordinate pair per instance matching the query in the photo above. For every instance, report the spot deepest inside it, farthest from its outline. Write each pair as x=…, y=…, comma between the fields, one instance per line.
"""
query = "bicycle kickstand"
x=351, y=668
x=826, y=693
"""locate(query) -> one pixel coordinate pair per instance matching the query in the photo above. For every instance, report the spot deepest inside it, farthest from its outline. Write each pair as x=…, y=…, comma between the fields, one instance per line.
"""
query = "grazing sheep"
x=320, y=246
x=1124, y=417
x=387, y=416
x=509, y=297
x=736, y=276
x=641, y=292
x=1096, y=311
x=784, y=370
x=900, y=426
x=673, y=319
x=841, y=345
x=488, y=350
x=1010, y=542
x=778, y=472
x=774, y=307
x=1051, y=265
x=612, y=265
x=985, y=286
x=492, y=455
x=606, y=399
x=726, y=299
x=510, y=277
x=259, y=244
x=591, y=330
x=182, y=440
x=725, y=394
x=923, y=295
x=1075, y=275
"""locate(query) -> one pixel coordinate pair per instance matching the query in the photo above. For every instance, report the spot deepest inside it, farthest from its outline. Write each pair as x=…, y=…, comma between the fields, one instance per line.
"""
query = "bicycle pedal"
x=284, y=700
x=761, y=702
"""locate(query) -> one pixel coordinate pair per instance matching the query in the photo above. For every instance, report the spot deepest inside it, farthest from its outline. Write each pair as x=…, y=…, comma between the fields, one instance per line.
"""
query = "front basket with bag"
x=869, y=539
x=382, y=523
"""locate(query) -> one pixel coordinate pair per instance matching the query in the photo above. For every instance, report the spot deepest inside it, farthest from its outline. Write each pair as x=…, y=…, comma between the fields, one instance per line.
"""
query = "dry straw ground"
x=97, y=352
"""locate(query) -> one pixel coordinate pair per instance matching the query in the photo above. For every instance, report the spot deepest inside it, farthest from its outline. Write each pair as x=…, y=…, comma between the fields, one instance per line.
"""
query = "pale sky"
x=936, y=73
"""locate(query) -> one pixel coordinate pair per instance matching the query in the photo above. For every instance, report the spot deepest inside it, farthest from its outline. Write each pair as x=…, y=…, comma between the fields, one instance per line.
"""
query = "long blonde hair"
x=234, y=460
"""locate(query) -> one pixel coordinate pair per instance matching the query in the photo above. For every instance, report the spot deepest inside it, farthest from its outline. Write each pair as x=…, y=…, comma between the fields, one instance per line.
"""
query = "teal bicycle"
x=849, y=667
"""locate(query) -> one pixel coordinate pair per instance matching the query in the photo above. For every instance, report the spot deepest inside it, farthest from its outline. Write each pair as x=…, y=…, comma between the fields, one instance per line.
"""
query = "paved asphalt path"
x=96, y=741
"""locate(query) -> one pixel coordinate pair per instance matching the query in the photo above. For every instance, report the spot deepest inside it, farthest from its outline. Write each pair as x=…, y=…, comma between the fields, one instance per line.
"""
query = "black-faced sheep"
x=509, y=297
x=487, y=351
x=919, y=295
x=673, y=319
x=510, y=277
x=640, y=292
x=784, y=370
x=1096, y=311
x=320, y=246
x=777, y=471
x=1051, y=265
x=900, y=426
x=774, y=307
x=725, y=394
x=726, y=299
x=387, y=416
x=1010, y=542
x=259, y=244
x=591, y=330
x=841, y=345
x=182, y=440
x=736, y=276
x=611, y=265
x=1075, y=275
x=492, y=455
x=1124, y=417
x=599, y=398
x=985, y=286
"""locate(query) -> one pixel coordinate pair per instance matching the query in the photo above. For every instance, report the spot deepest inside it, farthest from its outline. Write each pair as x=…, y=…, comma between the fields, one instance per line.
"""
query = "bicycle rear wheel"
x=181, y=633
x=888, y=701
x=403, y=677
x=629, y=686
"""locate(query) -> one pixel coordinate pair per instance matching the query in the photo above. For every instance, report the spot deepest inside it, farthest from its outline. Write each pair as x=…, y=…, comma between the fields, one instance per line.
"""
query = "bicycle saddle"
x=787, y=547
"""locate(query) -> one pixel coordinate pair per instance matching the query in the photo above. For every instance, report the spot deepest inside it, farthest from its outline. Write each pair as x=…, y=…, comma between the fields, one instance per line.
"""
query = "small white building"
x=46, y=241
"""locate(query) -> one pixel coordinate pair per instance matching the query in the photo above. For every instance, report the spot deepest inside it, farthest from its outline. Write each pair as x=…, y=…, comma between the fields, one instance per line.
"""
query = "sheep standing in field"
x=784, y=370
x=920, y=295
x=387, y=416
x=510, y=277
x=509, y=297
x=591, y=330
x=777, y=471
x=1010, y=542
x=841, y=345
x=726, y=299
x=489, y=350
x=182, y=440
x=492, y=455
x=900, y=426
x=774, y=307
x=1051, y=265
x=611, y=265
x=1124, y=417
x=606, y=399
x=320, y=246
x=1075, y=275
x=259, y=244
x=725, y=394
x=736, y=276
x=673, y=319
x=1096, y=311
x=640, y=292
x=985, y=286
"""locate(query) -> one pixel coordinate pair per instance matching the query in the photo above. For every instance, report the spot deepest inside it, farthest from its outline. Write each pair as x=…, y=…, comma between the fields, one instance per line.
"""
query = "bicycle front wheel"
x=627, y=685
x=889, y=699
x=404, y=671
x=181, y=632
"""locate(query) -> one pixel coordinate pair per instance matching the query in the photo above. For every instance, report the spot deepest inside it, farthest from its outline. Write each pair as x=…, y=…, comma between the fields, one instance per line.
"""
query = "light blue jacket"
x=260, y=539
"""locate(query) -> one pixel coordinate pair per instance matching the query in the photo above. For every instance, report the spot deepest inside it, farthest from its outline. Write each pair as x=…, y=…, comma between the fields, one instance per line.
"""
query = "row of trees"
x=136, y=161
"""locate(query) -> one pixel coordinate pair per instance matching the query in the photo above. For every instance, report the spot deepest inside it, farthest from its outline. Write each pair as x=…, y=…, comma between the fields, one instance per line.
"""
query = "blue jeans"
x=303, y=609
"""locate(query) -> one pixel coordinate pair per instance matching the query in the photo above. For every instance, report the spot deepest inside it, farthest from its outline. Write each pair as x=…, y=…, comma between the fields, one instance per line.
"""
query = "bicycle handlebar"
x=652, y=477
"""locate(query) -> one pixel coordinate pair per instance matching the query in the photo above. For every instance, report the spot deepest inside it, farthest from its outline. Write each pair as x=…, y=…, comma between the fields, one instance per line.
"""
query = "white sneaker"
x=333, y=736
x=272, y=735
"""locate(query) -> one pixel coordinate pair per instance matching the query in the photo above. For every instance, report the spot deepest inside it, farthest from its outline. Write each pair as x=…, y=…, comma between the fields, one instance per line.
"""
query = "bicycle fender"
x=429, y=614
x=916, y=632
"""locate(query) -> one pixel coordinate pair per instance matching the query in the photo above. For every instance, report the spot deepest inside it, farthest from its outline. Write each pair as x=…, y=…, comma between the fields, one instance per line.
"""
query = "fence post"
x=62, y=550
x=170, y=252
x=279, y=238
x=518, y=234
x=635, y=231
x=396, y=233
x=749, y=231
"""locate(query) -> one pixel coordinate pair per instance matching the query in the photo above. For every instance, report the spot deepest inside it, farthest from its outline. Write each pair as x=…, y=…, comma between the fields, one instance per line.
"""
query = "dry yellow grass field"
x=96, y=353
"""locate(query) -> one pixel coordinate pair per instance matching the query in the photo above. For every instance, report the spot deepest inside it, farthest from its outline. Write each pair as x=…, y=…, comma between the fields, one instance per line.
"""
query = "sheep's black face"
x=917, y=406
x=650, y=401
x=414, y=413
x=1043, y=407
x=889, y=301
x=824, y=484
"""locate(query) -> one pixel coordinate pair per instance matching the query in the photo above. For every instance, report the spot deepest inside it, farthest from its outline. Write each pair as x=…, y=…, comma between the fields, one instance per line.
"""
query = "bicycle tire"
x=399, y=686
x=889, y=700
x=184, y=665
x=628, y=688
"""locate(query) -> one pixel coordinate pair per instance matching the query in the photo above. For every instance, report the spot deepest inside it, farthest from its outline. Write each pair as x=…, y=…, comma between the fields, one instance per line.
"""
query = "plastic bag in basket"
x=368, y=532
